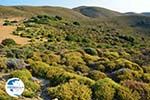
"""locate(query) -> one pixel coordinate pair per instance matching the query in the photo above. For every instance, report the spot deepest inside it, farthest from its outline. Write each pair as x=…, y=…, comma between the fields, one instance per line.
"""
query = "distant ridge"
x=95, y=12
x=82, y=12
x=146, y=13
x=28, y=11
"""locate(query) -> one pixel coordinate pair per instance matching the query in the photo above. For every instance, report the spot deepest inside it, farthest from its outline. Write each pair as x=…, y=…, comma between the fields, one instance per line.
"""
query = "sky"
x=117, y=5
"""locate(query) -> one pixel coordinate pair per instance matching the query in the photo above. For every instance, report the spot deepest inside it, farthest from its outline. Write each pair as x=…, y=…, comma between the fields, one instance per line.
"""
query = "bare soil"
x=6, y=32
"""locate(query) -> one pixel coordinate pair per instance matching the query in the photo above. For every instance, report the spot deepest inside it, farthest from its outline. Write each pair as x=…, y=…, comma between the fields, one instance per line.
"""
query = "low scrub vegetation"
x=76, y=60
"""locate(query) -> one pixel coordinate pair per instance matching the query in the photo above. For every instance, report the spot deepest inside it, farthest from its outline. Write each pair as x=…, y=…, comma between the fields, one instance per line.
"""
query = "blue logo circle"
x=14, y=87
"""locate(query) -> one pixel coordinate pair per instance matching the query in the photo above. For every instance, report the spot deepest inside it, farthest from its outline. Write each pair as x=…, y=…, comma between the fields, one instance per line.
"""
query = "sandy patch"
x=5, y=32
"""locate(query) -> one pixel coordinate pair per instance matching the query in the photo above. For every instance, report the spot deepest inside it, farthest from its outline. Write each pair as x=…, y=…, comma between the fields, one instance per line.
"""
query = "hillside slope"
x=28, y=11
x=95, y=12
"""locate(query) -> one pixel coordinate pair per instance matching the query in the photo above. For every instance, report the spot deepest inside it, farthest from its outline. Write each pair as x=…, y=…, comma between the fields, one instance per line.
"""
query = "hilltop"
x=95, y=12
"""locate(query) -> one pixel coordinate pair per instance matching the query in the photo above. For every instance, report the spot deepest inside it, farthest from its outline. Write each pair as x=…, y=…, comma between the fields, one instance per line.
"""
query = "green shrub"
x=96, y=75
x=127, y=38
x=90, y=51
x=73, y=58
x=100, y=64
x=103, y=90
x=58, y=76
x=72, y=37
x=30, y=85
x=146, y=69
x=76, y=23
x=28, y=93
x=111, y=55
x=106, y=89
x=125, y=94
x=81, y=68
x=23, y=74
x=3, y=65
x=31, y=89
x=53, y=58
x=146, y=77
x=142, y=88
x=7, y=22
x=90, y=59
x=39, y=68
x=58, y=17
x=8, y=42
x=4, y=96
x=123, y=63
x=124, y=74
x=71, y=90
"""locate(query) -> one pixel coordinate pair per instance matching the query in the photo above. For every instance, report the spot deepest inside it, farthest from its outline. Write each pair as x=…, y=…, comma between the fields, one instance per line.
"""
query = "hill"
x=146, y=13
x=95, y=12
x=28, y=11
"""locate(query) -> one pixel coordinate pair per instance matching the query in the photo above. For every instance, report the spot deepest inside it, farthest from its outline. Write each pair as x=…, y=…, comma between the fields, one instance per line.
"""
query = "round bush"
x=8, y=42
x=23, y=74
x=103, y=90
x=90, y=51
x=96, y=75
x=72, y=90
x=39, y=68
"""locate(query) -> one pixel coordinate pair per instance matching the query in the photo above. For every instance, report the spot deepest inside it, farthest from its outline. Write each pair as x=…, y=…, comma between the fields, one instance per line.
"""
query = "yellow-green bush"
x=146, y=69
x=3, y=65
x=28, y=93
x=124, y=54
x=71, y=90
x=96, y=75
x=121, y=63
x=146, y=77
x=142, y=88
x=3, y=94
x=100, y=64
x=31, y=88
x=53, y=58
x=125, y=94
x=89, y=58
x=82, y=68
x=103, y=90
x=124, y=74
x=23, y=74
x=58, y=75
x=73, y=58
x=39, y=68
x=111, y=55
x=124, y=63
x=106, y=89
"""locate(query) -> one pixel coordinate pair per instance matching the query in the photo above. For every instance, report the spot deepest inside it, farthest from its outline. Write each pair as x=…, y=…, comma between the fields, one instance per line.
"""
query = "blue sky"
x=118, y=5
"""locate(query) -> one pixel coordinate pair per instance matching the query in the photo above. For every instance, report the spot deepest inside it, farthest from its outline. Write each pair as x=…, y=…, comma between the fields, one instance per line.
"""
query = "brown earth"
x=5, y=32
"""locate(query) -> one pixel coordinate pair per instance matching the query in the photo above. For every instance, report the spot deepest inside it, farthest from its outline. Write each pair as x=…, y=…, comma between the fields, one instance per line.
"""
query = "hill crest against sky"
x=78, y=12
x=117, y=5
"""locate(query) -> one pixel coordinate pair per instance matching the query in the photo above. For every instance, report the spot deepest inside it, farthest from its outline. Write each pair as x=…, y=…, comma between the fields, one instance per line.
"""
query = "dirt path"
x=5, y=32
